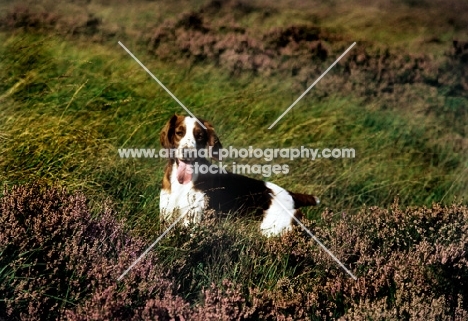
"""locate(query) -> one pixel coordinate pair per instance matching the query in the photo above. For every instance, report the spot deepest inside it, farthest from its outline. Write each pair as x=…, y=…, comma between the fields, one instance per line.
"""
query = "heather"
x=74, y=215
x=60, y=262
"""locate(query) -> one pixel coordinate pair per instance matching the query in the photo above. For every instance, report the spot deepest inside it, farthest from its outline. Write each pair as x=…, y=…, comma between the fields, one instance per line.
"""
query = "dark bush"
x=59, y=262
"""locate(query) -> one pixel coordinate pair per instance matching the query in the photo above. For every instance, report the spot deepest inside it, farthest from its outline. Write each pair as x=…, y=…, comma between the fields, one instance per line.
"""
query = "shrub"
x=57, y=261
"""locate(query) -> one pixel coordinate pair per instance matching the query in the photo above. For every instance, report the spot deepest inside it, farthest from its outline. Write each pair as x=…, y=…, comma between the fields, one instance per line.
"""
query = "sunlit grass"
x=68, y=108
x=68, y=104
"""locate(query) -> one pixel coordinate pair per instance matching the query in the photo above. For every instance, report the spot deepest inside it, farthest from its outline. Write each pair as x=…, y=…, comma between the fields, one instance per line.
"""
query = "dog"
x=191, y=193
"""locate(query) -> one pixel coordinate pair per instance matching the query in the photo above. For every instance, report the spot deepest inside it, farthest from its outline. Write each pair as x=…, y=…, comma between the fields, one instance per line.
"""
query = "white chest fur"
x=182, y=199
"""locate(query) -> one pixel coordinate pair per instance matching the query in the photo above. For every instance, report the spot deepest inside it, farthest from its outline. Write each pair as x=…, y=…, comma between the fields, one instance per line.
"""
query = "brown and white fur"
x=193, y=193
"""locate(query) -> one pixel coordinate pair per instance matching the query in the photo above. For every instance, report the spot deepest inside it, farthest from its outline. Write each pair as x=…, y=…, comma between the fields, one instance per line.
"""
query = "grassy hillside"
x=70, y=97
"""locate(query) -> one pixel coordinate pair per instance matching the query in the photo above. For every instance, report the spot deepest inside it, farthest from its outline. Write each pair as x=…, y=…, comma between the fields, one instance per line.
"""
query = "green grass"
x=68, y=106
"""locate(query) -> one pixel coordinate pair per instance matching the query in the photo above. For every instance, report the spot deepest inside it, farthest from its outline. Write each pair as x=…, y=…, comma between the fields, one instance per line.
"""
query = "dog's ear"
x=213, y=140
x=167, y=133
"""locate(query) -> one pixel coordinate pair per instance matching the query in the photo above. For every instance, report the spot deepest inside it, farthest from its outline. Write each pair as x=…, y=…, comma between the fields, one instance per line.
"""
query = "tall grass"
x=68, y=104
x=67, y=109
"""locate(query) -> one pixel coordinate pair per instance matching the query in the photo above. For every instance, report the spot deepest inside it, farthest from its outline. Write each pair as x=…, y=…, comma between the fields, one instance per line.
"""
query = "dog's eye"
x=179, y=133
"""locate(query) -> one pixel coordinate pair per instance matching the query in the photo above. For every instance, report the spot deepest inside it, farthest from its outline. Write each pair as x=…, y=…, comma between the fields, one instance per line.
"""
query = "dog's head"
x=183, y=132
x=187, y=137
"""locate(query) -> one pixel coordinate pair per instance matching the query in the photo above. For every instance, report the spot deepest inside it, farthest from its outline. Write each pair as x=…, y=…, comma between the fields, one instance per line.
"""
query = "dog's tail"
x=301, y=200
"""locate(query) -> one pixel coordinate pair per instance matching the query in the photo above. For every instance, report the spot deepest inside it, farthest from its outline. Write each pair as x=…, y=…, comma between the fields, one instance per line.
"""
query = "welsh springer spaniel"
x=187, y=192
